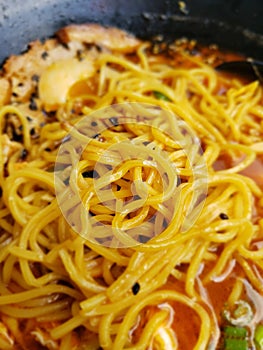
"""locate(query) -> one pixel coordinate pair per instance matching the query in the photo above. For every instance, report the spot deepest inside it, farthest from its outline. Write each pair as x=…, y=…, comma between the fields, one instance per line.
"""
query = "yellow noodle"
x=158, y=297
x=236, y=292
x=81, y=293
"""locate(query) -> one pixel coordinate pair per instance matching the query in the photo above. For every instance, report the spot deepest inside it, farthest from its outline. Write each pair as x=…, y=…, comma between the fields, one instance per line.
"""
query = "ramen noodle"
x=197, y=288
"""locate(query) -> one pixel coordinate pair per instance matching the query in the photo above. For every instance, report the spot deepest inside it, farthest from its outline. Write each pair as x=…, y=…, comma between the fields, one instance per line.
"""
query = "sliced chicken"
x=5, y=91
x=8, y=147
x=23, y=71
x=111, y=38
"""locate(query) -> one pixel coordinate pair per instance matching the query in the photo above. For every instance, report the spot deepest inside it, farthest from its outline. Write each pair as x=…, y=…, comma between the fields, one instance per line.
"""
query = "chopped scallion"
x=235, y=332
x=235, y=344
x=258, y=336
x=161, y=96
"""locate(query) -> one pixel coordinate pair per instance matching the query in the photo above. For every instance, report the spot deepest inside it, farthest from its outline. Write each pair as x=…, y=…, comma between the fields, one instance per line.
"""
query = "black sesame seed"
x=114, y=121
x=223, y=216
x=44, y=55
x=51, y=114
x=34, y=95
x=65, y=45
x=80, y=55
x=47, y=149
x=35, y=78
x=20, y=127
x=32, y=105
x=17, y=137
x=32, y=131
x=136, y=288
x=14, y=94
x=94, y=123
x=29, y=118
x=20, y=85
x=23, y=153
x=96, y=136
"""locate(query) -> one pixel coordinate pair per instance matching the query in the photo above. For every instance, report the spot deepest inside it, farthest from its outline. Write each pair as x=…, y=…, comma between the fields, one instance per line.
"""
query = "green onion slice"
x=160, y=96
x=258, y=336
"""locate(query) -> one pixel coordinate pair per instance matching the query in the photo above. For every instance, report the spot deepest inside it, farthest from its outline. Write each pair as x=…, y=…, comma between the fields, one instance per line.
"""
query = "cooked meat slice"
x=23, y=71
x=110, y=38
x=5, y=91
x=21, y=90
x=36, y=118
x=38, y=57
x=8, y=147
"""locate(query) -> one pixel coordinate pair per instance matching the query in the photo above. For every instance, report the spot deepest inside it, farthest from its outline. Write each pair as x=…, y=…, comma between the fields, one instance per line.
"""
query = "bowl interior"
x=232, y=24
